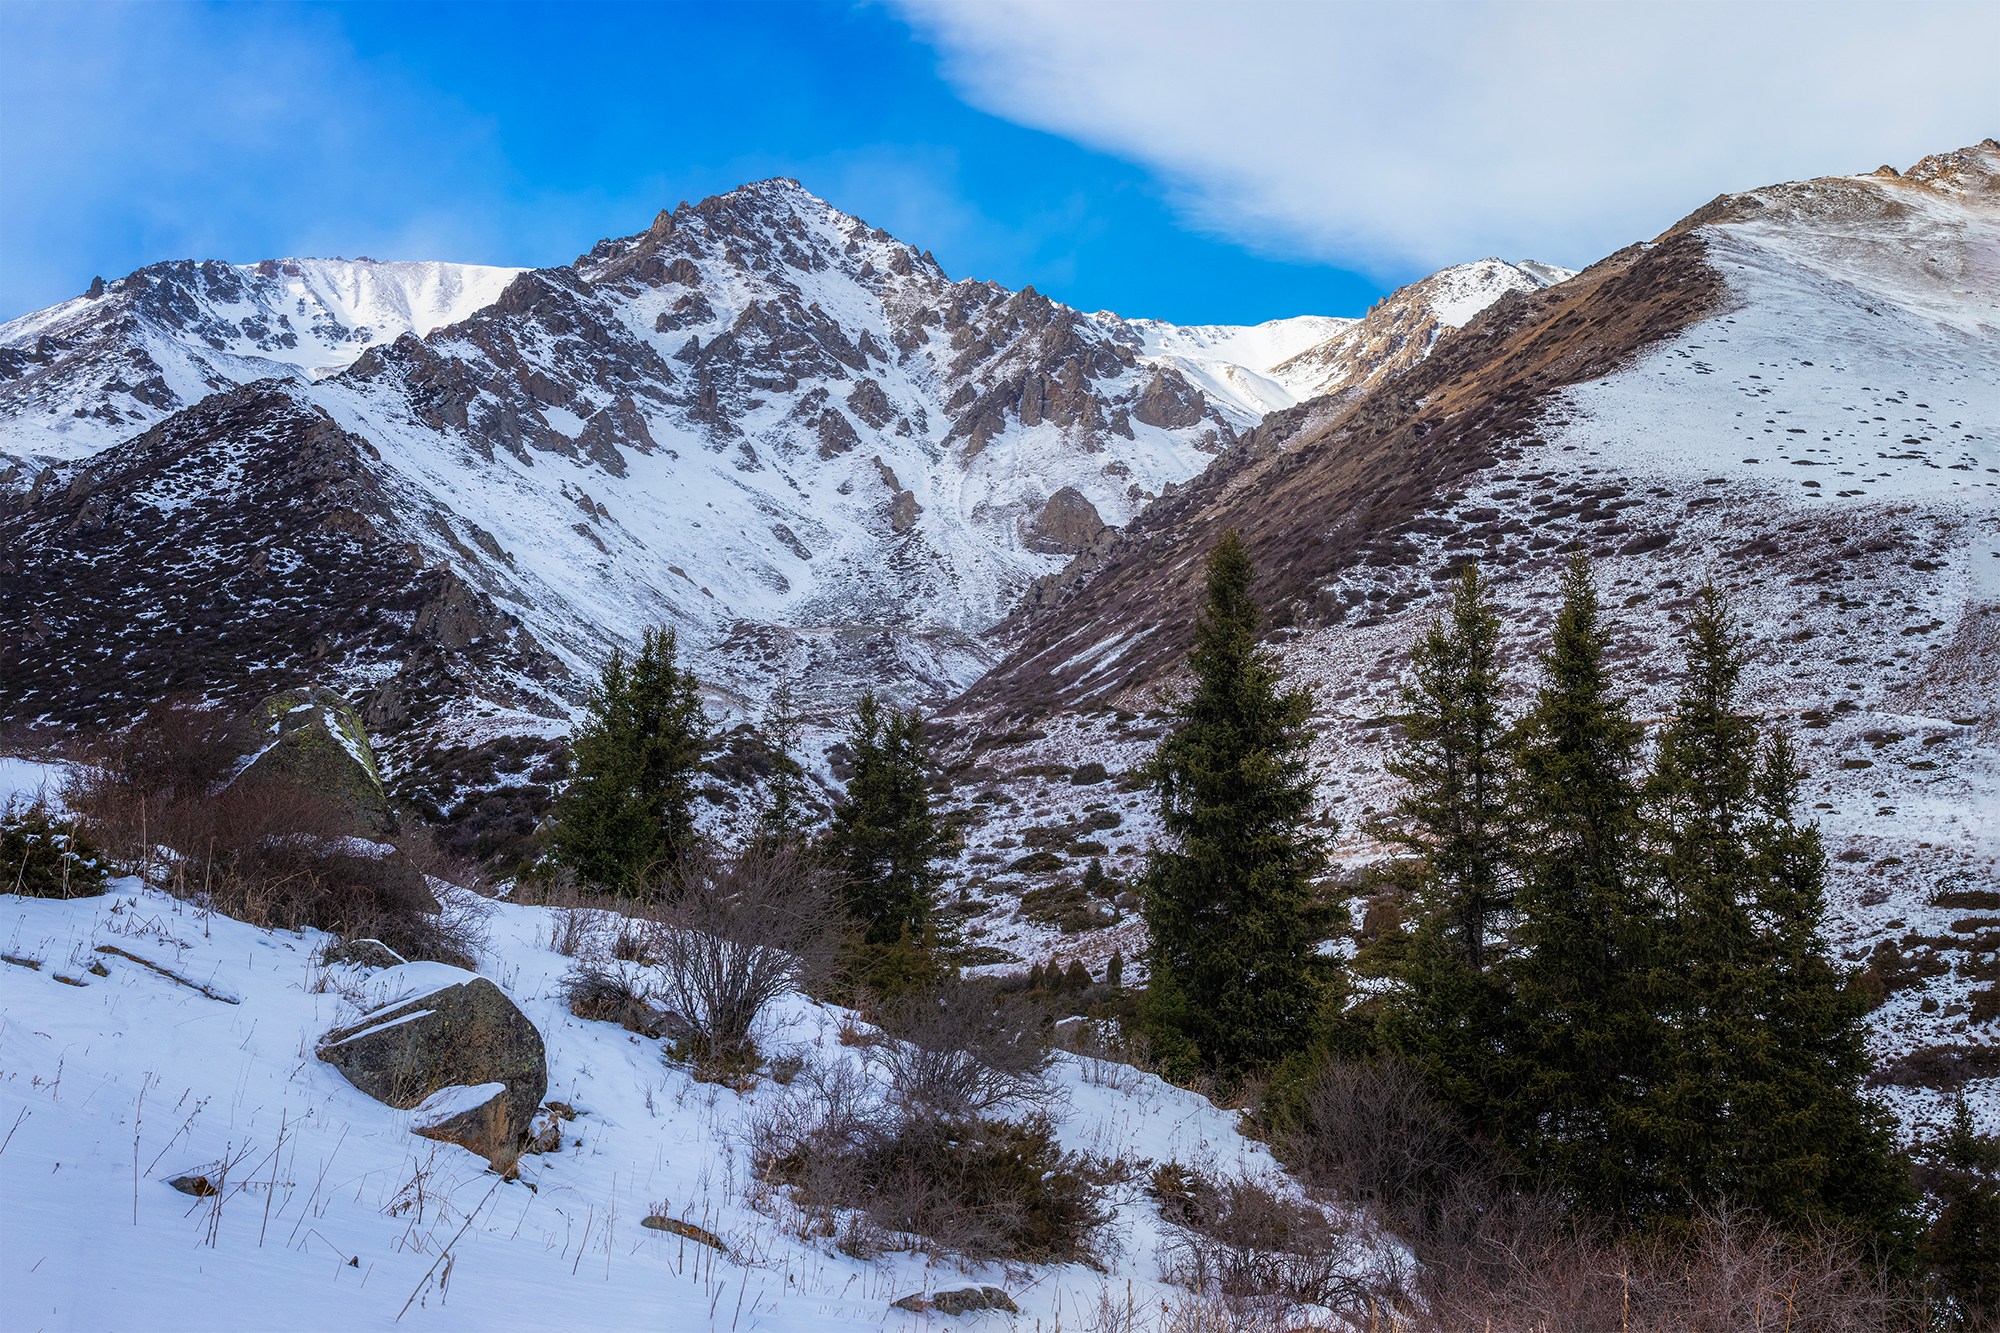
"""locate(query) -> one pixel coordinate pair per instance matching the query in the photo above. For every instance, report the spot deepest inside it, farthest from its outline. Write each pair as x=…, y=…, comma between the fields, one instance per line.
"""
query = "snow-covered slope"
x=1232, y=363
x=104, y=366
x=332, y=1215
x=1805, y=407
x=1405, y=325
x=787, y=434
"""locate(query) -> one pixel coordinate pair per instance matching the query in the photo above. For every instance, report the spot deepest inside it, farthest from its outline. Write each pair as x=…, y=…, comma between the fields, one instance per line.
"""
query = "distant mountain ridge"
x=104, y=366
x=760, y=420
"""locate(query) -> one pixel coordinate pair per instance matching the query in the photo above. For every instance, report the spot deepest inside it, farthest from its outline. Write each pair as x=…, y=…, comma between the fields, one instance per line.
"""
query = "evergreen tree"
x=1810, y=1146
x=1237, y=978
x=1586, y=1041
x=1450, y=1019
x=1455, y=760
x=1964, y=1242
x=883, y=837
x=1759, y=1102
x=1699, y=801
x=784, y=817
x=627, y=813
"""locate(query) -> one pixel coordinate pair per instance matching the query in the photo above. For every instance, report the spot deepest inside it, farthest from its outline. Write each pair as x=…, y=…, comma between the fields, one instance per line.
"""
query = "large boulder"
x=314, y=738
x=454, y=1047
x=1068, y=523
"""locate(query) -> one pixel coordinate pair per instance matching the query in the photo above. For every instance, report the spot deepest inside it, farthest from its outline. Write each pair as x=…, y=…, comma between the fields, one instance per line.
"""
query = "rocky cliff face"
x=784, y=432
x=129, y=353
x=1404, y=327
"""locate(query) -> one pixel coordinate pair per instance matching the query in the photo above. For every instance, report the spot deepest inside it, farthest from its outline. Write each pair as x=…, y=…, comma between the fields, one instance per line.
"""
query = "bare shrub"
x=1373, y=1134
x=987, y=1189
x=1243, y=1240
x=735, y=933
x=598, y=993
x=266, y=850
x=149, y=785
x=1732, y=1273
x=963, y=1048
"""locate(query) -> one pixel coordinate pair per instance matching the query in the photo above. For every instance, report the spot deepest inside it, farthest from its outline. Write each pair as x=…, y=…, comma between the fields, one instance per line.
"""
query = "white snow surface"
x=205, y=326
x=110, y=1088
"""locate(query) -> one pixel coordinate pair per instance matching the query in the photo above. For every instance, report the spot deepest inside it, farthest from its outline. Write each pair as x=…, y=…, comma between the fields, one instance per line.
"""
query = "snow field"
x=110, y=1087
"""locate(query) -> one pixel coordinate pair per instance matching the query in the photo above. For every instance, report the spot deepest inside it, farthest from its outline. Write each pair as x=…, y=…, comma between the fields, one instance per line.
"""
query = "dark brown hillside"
x=244, y=546
x=1326, y=486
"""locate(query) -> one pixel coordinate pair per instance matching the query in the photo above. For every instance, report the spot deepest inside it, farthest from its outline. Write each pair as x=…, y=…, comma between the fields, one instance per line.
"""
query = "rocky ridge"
x=1793, y=392
x=127, y=354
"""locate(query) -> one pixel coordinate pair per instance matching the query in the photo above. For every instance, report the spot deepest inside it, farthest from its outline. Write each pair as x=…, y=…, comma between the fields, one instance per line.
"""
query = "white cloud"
x=1389, y=136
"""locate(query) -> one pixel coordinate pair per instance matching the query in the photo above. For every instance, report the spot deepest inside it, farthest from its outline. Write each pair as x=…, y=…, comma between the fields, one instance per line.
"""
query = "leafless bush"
x=869, y=1172
x=434, y=860
x=962, y=1048
x=266, y=850
x=613, y=995
x=1372, y=1134
x=150, y=785
x=1243, y=1240
x=1732, y=1274
x=735, y=933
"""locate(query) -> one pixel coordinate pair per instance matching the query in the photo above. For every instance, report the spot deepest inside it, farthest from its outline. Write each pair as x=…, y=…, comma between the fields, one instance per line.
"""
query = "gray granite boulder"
x=451, y=1030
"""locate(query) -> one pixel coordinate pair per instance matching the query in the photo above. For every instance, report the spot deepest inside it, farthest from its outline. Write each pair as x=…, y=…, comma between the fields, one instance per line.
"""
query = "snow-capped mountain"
x=1794, y=392
x=1404, y=327
x=1231, y=363
x=129, y=353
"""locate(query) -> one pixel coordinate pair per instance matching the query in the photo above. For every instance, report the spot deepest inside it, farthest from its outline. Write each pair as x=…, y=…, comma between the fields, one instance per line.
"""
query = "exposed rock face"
x=1405, y=326
x=131, y=352
x=457, y=1030
x=702, y=396
x=1067, y=524
x=1336, y=482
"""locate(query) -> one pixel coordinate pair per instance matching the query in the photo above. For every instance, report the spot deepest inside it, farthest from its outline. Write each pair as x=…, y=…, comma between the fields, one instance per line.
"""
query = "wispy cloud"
x=1390, y=135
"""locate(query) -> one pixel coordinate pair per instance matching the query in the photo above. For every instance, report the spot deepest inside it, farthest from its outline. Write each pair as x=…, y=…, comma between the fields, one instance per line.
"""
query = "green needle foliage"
x=1589, y=1041
x=627, y=815
x=1457, y=814
x=1964, y=1242
x=1760, y=1102
x=883, y=838
x=1237, y=977
x=784, y=816
x=1457, y=810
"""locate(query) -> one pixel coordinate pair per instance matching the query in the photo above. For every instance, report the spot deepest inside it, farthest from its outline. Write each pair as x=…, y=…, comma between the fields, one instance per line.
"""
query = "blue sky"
x=1187, y=160
x=522, y=133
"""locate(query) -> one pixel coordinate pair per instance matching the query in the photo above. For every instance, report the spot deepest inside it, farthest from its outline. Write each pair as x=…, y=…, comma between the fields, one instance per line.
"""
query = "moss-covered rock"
x=313, y=737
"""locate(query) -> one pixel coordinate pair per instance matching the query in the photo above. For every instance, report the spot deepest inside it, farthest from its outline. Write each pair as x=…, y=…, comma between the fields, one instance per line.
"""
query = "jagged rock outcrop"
x=314, y=738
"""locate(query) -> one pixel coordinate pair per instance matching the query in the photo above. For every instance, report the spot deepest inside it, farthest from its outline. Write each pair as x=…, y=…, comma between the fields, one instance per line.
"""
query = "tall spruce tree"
x=1963, y=1245
x=784, y=817
x=1587, y=1042
x=1699, y=803
x=1456, y=760
x=883, y=837
x=1238, y=979
x=1450, y=1019
x=627, y=814
x=1759, y=1102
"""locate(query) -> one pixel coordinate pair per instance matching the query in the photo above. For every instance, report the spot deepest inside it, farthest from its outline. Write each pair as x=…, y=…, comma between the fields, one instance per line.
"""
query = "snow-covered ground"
x=334, y=1216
